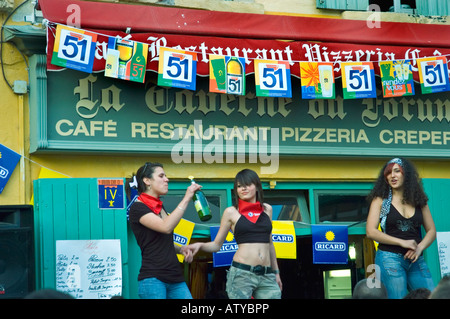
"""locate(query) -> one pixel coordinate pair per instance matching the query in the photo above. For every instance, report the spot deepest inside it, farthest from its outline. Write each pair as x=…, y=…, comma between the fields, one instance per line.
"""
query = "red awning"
x=171, y=20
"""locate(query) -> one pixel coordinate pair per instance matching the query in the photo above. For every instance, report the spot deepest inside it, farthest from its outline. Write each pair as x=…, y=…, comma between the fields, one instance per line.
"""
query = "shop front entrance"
x=302, y=279
x=69, y=209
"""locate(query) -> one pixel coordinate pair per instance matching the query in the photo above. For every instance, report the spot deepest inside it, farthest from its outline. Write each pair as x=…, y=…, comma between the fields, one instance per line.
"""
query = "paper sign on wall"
x=317, y=80
x=358, y=80
x=74, y=48
x=272, y=78
x=177, y=68
x=396, y=78
x=443, y=245
x=89, y=269
x=433, y=74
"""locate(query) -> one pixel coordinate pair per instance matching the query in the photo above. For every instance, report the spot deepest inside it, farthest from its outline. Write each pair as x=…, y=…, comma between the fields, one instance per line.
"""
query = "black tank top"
x=247, y=232
x=403, y=228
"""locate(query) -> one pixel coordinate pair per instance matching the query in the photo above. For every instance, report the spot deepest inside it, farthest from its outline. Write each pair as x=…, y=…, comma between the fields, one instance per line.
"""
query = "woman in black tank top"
x=399, y=206
x=254, y=270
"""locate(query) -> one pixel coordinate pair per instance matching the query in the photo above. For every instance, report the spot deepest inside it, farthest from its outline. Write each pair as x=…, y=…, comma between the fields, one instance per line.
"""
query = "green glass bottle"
x=201, y=204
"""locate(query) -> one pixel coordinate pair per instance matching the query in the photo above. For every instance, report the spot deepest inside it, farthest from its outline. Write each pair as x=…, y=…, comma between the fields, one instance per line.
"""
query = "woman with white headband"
x=399, y=206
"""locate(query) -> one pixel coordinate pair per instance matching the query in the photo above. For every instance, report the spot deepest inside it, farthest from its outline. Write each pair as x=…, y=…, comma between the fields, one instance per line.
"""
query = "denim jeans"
x=243, y=284
x=153, y=288
x=399, y=274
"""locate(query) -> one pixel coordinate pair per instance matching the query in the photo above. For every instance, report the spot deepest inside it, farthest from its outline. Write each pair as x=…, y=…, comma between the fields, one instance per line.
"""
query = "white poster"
x=89, y=269
x=443, y=244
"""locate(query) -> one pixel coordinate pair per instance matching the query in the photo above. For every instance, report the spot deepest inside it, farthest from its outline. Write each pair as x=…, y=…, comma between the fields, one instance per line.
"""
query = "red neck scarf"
x=251, y=211
x=155, y=204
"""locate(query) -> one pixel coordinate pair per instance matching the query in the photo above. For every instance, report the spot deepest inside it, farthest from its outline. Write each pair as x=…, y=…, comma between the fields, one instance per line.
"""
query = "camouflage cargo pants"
x=243, y=284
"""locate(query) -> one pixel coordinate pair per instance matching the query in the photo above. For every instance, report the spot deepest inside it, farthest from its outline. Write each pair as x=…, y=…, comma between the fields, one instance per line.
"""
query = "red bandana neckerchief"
x=155, y=204
x=251, y=211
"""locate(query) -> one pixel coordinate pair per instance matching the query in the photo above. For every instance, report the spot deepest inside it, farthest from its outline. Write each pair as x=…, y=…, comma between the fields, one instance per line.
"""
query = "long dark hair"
x=413, y=192
x=145, y=170
x=247, y=177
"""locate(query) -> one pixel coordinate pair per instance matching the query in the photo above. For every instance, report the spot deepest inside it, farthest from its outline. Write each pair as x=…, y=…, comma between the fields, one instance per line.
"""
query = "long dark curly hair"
x=413, y=192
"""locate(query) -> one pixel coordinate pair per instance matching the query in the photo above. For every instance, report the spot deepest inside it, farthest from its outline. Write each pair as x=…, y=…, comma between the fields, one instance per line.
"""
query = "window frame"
x=300, y=196
x=350, y=192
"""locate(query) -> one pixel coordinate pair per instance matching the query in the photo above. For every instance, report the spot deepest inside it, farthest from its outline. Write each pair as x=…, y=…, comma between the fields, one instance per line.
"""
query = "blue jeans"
x=153, y=288
x=399, y=274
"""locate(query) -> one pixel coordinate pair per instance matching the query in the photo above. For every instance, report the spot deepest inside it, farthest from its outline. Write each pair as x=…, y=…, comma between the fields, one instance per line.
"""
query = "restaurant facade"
x=80, y=133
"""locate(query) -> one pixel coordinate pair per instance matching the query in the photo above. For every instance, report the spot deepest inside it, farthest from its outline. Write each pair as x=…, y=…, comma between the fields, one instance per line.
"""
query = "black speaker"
x=17, y=275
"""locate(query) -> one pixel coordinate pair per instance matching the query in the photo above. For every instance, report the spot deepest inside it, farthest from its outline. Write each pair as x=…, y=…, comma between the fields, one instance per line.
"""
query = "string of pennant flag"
x=127, y=60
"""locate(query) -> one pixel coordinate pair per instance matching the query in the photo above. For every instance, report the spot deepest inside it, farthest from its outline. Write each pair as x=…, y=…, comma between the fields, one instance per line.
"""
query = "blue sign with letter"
x=224, y=256
x=110, y=193
x=330, y=244
x=8, y=162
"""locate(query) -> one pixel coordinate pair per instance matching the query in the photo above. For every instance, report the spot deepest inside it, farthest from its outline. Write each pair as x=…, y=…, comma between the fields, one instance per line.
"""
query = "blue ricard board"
x=224, y=256
x=330, y=244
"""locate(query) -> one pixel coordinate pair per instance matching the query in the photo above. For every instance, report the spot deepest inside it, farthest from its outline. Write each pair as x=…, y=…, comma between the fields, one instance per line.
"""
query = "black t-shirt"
x=159, y=258
x=404, y=228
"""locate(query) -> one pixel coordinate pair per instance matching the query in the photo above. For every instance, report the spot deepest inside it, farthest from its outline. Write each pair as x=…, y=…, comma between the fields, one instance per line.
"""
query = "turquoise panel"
x=438, y=193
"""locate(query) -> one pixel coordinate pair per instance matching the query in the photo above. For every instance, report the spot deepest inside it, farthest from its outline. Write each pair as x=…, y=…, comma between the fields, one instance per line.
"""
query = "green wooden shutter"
x=437, y=191
x=68, y=209
x=433, y=7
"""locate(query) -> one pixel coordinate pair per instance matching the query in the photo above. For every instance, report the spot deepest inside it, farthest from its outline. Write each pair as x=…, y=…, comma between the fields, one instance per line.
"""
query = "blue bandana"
x=386, y=205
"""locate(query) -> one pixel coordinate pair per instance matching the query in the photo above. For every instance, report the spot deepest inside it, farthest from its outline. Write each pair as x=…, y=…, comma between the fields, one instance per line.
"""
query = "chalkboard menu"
x=89, y=269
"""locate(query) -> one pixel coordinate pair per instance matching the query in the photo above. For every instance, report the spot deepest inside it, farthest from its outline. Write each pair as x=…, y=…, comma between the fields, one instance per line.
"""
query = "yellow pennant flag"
x=182, y=235
x=284, y=240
